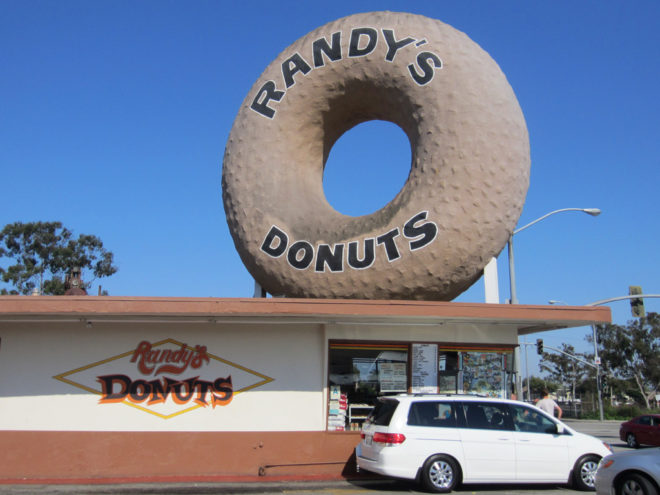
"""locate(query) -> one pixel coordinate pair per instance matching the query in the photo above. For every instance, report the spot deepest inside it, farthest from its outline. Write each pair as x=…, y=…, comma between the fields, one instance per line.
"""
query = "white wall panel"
x=276, y=372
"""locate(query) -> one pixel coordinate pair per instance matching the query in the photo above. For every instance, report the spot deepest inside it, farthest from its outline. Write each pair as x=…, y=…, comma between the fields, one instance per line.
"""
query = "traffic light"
x=603, y=382
x=637, y=304
x=539, y=346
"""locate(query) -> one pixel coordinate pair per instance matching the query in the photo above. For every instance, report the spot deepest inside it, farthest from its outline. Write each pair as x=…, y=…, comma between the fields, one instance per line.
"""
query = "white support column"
x=258, y=290
x=491, y=285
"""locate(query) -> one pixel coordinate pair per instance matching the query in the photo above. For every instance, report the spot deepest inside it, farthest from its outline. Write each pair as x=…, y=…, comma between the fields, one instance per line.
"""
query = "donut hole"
x=367, y=167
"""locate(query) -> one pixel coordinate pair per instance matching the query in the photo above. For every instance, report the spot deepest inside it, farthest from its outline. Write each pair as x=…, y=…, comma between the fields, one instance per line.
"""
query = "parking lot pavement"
x=607, y=431
x=303, y=488
x=266, y=488
x=385, y=487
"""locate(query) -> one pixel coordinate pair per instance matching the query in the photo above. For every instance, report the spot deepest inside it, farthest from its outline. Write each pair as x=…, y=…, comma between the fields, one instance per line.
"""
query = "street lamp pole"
x=512, y=279
x=601, y=416
x=512, y=273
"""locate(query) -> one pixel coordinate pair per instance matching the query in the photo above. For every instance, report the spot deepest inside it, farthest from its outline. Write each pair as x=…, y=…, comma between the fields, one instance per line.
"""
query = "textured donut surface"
x=468, y=177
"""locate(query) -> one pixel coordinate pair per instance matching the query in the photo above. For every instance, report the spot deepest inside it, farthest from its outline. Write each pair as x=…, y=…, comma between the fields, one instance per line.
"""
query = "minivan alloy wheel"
x=586, y=472
x=440, y=474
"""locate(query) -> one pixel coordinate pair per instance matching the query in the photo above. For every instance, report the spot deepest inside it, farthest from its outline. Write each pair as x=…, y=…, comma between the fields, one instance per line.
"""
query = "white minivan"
x=443, y=440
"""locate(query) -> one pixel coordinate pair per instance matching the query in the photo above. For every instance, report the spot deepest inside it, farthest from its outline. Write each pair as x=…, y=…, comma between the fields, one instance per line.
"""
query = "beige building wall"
x=279, y=372
x=276, y=371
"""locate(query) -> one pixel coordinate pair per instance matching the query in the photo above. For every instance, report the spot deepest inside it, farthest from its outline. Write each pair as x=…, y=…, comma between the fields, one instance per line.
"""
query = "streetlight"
x=594, y=212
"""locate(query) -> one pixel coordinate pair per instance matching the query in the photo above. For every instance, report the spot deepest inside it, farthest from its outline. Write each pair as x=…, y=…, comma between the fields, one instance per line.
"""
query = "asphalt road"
x=608, y=431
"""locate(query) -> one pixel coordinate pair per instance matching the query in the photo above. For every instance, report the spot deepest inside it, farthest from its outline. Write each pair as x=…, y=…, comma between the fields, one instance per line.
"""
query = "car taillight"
x=389, y=438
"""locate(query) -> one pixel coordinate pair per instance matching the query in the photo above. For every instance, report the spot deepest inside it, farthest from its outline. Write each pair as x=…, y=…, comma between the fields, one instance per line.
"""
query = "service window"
x=448, y=372
x=358, y=374
x=361, y=371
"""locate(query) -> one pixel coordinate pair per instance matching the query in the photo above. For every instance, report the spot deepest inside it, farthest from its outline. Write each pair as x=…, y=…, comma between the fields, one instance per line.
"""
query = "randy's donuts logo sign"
x=165, y=378
x=153, y=362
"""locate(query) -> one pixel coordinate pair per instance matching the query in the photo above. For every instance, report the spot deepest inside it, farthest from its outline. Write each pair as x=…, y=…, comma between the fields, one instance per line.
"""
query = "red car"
x=642, y=430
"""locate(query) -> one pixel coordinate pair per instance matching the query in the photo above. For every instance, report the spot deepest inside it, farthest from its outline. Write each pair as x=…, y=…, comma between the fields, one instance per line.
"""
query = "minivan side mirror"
x=560, y=429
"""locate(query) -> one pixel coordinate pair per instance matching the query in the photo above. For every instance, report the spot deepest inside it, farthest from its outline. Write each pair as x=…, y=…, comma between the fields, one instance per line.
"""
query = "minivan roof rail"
x=432, y=394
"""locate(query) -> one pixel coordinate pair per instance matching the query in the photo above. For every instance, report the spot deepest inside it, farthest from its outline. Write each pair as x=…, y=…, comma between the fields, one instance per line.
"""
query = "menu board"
x=424, y=368
x=392, y=377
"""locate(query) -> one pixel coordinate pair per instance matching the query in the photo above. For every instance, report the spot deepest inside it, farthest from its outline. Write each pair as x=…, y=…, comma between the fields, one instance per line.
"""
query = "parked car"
x=631, y=472
x=642, y=430
x=443, y=440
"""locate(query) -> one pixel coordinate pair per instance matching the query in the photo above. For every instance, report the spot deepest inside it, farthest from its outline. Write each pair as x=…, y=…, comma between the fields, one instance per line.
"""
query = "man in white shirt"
x=548, y=405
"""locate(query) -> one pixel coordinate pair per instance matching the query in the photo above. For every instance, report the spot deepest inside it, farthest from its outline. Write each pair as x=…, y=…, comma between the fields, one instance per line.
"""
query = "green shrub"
x=622, y=413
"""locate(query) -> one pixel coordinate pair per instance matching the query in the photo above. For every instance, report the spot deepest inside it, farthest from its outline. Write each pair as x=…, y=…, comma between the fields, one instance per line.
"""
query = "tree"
x=563, y=369
x=632, y=353
x=537, y=385
x=44, y=252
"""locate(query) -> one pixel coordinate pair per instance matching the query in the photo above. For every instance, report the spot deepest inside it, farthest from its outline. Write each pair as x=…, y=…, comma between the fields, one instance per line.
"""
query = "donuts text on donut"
x=300, y=254
x=362, y=42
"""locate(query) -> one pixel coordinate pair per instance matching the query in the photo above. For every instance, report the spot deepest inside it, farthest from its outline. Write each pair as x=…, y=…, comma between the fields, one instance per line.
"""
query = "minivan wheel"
x=584, y=473
x=440, y=474
x=631, y=441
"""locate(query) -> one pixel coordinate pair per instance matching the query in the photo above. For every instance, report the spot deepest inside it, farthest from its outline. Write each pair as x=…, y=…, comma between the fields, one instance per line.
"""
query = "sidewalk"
x=267, y=488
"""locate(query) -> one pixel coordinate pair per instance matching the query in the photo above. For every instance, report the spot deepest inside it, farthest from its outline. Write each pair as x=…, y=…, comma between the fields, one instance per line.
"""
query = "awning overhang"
x=525, y=319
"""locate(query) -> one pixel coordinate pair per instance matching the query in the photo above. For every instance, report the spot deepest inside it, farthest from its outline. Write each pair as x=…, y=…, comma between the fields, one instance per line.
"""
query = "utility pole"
x=634, y=296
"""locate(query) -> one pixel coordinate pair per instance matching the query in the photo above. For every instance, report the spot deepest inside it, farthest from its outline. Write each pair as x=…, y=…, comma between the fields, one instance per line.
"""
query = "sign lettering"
x=150, y=361
x=362, y=42
x=360, y=255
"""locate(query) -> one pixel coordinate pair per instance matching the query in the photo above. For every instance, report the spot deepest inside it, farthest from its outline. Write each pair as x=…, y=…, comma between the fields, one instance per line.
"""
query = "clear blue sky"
x=114, y=118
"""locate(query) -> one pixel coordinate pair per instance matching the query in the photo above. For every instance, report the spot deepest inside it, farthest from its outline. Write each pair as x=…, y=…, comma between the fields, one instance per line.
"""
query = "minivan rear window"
x=382, y=413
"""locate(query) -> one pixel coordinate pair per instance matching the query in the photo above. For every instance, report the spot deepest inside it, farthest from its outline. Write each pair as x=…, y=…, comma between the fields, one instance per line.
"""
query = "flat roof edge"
x=25, y=307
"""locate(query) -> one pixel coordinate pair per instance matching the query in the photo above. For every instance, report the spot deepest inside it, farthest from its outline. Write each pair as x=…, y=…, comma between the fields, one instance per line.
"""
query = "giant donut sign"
x=468, y=177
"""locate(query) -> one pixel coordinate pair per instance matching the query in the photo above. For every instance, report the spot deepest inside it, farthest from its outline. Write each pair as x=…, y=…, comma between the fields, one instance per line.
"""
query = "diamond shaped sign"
x=165, y=378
